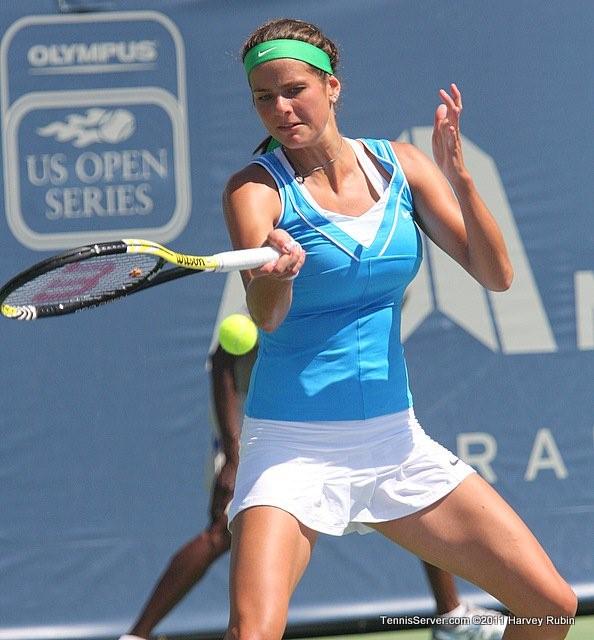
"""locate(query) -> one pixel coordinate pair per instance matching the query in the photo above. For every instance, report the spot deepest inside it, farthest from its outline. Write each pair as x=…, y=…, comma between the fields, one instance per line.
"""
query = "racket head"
x=95, y=274
x=78, y=279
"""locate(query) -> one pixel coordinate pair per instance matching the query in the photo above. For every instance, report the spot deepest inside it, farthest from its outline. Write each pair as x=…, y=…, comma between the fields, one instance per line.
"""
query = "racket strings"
x=89, y=279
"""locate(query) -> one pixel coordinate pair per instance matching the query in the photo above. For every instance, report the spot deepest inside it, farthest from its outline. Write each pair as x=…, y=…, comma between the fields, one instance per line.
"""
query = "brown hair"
x=291, y=29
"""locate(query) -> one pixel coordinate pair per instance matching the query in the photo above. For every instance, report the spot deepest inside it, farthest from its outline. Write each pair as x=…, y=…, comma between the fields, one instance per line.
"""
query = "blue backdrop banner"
x=126, y=120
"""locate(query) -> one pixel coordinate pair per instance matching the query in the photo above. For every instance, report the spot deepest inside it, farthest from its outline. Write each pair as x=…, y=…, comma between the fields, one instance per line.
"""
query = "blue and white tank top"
x=338, y=354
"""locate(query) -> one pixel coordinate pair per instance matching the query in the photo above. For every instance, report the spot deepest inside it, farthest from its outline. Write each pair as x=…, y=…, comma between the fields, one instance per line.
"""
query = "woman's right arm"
x=252, y=206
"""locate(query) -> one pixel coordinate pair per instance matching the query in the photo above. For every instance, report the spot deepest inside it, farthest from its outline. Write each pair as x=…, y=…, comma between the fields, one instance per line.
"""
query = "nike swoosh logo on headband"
x=263, y=53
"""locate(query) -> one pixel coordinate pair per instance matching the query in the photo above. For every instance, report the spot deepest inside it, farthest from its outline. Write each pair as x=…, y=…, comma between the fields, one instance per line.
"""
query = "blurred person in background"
x=230, y=376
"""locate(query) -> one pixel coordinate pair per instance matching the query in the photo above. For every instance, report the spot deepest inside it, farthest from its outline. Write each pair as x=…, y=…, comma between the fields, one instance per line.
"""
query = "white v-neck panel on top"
x=363, y=228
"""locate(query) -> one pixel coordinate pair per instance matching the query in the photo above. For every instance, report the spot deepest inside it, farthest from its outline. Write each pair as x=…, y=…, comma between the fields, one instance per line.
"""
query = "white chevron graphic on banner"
x=511, y=322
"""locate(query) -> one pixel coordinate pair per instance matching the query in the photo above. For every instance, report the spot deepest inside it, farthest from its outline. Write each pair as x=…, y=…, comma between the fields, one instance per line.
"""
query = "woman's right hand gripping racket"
x=95, y=274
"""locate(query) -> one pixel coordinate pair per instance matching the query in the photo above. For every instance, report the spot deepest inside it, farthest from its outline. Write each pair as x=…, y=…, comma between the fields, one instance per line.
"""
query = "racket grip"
x=245, y=258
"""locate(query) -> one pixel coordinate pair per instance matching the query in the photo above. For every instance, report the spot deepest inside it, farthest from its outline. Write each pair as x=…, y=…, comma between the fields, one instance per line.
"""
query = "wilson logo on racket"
x=74, y=281
x=191, y=261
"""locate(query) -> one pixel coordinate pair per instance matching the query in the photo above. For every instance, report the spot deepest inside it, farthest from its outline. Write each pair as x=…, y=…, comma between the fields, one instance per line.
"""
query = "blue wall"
x=105, y=419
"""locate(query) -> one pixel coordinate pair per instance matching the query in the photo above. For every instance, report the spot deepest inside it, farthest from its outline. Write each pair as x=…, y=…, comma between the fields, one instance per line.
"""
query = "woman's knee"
x=567, y=603
x=555, y=614
x=256, y=628
x=563, y=616
x=558, y=604
x=562, y=609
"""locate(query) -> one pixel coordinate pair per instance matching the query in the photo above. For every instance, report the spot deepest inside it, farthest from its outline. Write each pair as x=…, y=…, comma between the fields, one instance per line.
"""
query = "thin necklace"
x=300, y=177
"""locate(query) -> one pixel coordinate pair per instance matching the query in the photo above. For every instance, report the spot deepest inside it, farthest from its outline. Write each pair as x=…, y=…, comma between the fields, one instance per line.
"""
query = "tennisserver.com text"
x=423, y=621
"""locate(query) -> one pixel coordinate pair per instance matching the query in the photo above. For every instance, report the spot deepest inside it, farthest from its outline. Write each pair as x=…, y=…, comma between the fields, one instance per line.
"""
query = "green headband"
x=295, y=49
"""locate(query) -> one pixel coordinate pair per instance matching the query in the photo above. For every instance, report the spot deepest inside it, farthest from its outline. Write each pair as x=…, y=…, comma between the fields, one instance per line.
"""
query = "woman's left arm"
x=460, y=224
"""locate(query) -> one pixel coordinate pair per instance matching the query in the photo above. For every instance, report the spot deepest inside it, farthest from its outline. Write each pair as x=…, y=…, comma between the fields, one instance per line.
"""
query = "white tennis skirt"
x=336, y=476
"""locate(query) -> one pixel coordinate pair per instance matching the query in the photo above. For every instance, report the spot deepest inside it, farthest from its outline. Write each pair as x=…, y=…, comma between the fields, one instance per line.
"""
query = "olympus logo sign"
x=80, y=53
x=87, y=161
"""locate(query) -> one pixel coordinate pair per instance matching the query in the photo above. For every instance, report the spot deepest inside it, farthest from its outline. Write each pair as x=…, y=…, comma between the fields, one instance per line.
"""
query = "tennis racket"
x=95, y=274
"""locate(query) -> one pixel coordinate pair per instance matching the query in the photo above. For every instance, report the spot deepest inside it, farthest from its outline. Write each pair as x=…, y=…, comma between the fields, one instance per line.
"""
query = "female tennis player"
x=330, y=442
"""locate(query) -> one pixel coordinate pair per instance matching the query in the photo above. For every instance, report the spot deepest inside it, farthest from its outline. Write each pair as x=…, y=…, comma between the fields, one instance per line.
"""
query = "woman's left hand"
x=447, y=140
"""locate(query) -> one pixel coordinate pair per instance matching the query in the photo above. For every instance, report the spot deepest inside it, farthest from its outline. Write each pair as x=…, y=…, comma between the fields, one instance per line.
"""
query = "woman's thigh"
x=270, y=550
x=475, y=534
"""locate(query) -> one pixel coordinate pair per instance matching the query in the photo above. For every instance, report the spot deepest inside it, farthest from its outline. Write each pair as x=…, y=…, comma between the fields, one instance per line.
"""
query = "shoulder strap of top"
x=386, y=155
x=377, y=178
x=385, y=150
x=271, y=163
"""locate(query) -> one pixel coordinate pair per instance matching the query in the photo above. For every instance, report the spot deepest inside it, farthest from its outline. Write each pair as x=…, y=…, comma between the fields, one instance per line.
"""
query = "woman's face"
x=293, y=100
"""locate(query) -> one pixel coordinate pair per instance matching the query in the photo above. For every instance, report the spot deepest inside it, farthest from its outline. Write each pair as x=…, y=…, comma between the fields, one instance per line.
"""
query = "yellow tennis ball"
x=238, y=334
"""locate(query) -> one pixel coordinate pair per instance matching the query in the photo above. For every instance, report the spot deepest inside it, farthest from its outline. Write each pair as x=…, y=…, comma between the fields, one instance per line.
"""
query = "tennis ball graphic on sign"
x=116, y=126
